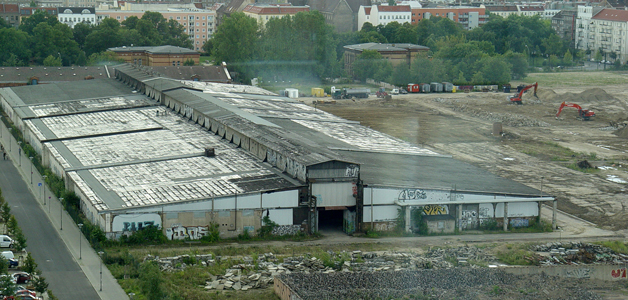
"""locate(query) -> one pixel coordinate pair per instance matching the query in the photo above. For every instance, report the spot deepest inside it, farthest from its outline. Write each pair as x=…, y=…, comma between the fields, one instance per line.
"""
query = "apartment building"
x=469, y=17
x=200, y=24
x=11, y=14
x=264, y=12
x=527, y=10
x=608, y=32
x=384, y=14
x=74, y=15
x=583, y=23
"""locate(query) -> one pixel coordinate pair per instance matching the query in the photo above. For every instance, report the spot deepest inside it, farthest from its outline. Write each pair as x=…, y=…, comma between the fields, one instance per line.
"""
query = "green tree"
x=235, y=40
x=29, y=266
x=15, y=47
x=12, y=225
x=6, y=212
x=568, y=59
x=4, y=265
x=4, y=24
x=7, y=287
x=401, y=75
x=553, y=45
x=40, y=16
x=104, y=58
x=598, y=55
x=80, y=33
x=52, y=61
x=518, y=63
x=367, y=64
x=424, y=70
x=104, y=36
x=188, y=62
x=151, y=281
x=40, y=284
x=81, y=59
x=478, y=78
x=207, y=47
x=495, y=70
x=20, y=240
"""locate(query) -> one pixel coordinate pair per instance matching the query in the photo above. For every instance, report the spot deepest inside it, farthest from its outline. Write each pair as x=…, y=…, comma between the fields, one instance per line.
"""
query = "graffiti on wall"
x=469, y=219
x=178, y=232
x=519, y=222
x=412, y=194
x=352, y=171
x=619, y=273
x=135, y=222
x=432, y=210
x=385, y=226
x=578, y=273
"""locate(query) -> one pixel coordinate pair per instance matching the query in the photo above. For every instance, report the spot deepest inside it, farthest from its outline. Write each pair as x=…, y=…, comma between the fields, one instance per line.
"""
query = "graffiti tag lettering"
x=431, y=210
x=135, y=226
x=578, y=273
x=519, y=222
x=619, y=273
x=352, y=171
x=412, y=194
x=178, y=232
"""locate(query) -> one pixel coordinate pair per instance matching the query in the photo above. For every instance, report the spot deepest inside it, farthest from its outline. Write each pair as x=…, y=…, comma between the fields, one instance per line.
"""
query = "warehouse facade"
x=143, y=150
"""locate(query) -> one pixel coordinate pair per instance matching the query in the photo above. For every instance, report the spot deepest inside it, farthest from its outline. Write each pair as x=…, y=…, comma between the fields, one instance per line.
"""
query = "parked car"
x=22, y=297
x=23, y=291
x=6, y=241
x=11, y=258
x=21, y=277
x=403, y=91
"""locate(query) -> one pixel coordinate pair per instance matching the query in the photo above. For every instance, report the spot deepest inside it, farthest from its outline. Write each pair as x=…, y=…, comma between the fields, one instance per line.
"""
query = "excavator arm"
x=517, y=99
x=585, y=114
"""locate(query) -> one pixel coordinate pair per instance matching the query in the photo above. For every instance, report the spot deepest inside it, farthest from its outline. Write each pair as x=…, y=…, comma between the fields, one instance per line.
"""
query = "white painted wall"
x=380, y=213
x=281, y=216
x=333, y=194
x=122, y=222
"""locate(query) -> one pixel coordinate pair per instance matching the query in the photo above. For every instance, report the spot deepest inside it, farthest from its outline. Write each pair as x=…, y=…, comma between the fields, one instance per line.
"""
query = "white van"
x=5, y=241
x=395, y=91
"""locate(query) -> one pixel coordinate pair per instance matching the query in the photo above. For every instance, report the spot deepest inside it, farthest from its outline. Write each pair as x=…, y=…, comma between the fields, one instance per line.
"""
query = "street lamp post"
x=100, y=253
x=528, y=53
x=80, y=226
x=61, y=211
x=31, y=159
x=44, y=187
x=19, y=152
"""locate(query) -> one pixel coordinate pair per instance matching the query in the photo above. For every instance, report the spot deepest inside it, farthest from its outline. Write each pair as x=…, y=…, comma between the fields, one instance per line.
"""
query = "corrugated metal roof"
x=385, y=47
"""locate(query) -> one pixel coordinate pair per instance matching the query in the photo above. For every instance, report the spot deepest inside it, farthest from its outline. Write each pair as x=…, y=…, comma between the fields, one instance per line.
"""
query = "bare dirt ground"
x=535, y=143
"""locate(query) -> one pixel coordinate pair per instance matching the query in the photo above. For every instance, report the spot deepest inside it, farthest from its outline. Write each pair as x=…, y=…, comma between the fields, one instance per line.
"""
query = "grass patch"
x=617, y=246
x=574, y=166
x=516, y=255
x=206, y=59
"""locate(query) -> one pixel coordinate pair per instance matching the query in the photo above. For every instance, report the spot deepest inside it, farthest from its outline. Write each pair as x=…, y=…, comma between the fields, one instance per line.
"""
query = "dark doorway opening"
x=330, y=220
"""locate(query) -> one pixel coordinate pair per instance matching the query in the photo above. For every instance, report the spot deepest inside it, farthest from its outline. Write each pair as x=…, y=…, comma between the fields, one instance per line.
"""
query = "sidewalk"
x=106, y=286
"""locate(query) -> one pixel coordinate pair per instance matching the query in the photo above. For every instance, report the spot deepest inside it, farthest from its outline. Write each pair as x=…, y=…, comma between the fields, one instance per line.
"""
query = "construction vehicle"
x=516, y=98
x=348, y=93
x=584, y=114
x=381, y=93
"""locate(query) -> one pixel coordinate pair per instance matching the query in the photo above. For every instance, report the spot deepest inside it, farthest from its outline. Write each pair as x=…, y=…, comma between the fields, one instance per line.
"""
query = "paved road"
x=66, y=279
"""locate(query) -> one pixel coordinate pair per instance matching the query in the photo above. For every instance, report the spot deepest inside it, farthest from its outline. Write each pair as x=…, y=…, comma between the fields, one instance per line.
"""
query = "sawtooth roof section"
x=433, y=172
x=612, y=15
x=256, y=128
x=66, y=91
x=204, y=73
x=50, y=74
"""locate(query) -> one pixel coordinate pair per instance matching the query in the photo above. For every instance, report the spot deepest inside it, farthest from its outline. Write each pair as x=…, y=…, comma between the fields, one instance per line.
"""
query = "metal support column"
x=408, y=219
x=505, y=216
x=459, y=217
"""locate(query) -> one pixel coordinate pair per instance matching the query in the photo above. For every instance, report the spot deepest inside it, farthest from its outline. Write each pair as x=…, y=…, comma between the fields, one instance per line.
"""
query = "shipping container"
x=414, y=88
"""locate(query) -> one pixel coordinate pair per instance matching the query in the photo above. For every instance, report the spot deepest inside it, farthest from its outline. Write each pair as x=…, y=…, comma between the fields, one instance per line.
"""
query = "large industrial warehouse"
x=141, y=150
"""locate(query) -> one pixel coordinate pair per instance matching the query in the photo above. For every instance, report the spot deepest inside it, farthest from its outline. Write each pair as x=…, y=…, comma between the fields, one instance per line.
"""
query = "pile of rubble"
x=460, y=283
x=508, y=119
x=575, y=253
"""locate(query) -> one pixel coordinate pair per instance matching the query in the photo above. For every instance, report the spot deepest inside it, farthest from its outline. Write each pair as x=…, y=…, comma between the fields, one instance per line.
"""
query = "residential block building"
x=74, y=15
x=527, y=10
x=264, y=12
x=384, y=14
x=608, y=33
x=11, y=14
x=200, y=24
x=469, y=17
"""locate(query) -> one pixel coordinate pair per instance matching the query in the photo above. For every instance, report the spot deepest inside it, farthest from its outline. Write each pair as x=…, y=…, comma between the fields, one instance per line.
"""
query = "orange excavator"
x=585, y=114
x=516, y=98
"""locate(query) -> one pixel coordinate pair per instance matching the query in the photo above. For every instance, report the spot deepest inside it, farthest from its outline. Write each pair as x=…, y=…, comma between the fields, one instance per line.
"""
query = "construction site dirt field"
x=535, y=146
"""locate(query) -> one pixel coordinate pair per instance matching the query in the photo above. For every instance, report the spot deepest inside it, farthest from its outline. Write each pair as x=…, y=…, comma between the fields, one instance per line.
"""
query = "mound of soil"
x=622, y=132
x=593, y=95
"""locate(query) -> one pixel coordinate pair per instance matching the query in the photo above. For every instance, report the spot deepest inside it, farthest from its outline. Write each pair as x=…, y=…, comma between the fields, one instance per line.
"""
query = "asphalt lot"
x=66, y=279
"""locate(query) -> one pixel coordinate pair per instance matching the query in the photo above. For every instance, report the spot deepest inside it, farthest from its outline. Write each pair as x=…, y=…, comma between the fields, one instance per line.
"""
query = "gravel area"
x=461, y=283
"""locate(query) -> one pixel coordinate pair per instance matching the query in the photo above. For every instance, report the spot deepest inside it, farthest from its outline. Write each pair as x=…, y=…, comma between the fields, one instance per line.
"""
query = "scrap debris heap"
x=576, y=253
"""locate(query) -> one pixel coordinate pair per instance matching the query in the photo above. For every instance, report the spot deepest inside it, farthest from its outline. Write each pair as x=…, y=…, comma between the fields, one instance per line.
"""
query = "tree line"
x=42, y=40
x=304, y=45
